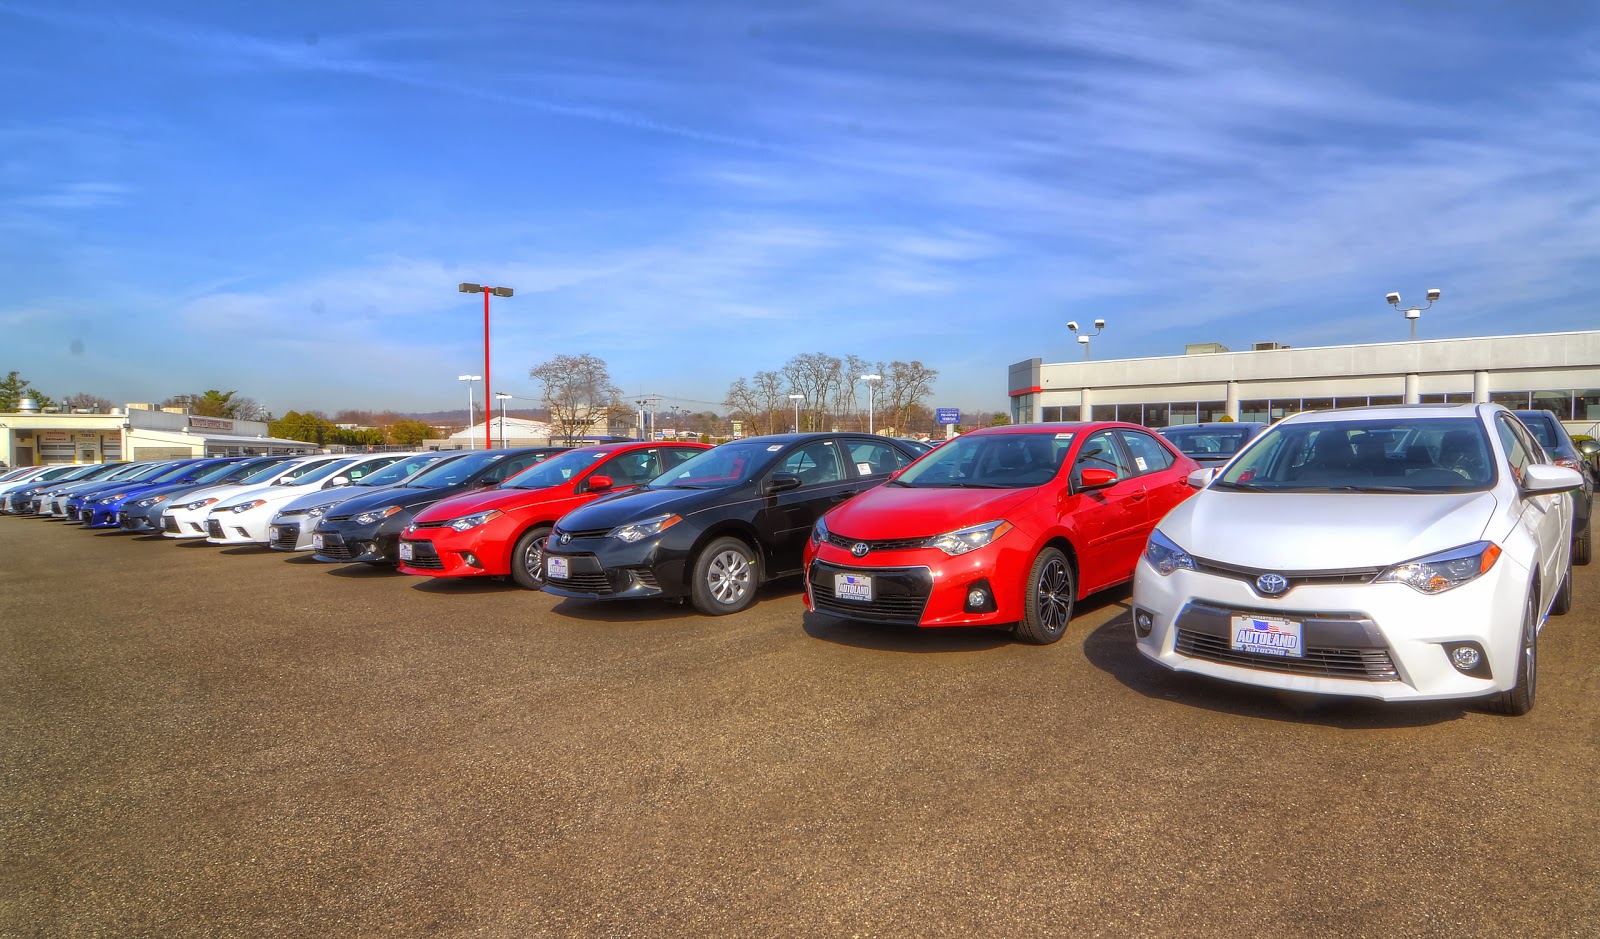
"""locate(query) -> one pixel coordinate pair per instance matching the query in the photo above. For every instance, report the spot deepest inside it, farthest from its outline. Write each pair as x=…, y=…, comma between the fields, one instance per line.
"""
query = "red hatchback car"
x=501, y=531
x=1006, y=525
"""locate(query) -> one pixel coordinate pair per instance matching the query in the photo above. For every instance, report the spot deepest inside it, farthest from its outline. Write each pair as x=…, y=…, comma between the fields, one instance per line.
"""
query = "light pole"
x=1413, y=313
x=488, y=444
x=871, y=381
x=469, y=379
x=1083, y=340
x=502, y=396
x=797, y=398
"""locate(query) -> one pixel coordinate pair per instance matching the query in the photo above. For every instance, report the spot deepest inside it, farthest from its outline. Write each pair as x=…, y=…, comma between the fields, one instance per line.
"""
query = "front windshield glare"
x=990, y=461
x=1363, y=455
x=554, y=471
x=1208, y=443
x=263, y=474
x=399, y=470
x=720, y=467
x=456, y=471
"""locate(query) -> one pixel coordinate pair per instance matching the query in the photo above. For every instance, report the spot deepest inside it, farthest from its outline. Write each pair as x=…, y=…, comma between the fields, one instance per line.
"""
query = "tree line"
x=832, y=395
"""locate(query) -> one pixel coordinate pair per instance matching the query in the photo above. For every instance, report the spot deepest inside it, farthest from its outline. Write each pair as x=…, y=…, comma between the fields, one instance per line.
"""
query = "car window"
x=673, y=457
x=1539, y=426
x=871, y=458
x=1432, y=454
x=508, y=468
x=1518, y=455
x=1149, y=456
x=815, y=463
x=1100, y=451
x=634, y=468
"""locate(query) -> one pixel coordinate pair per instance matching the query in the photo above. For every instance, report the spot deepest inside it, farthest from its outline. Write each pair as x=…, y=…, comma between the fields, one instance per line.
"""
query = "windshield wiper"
x=1242, y=487
x=977, y=486
x=1403, y=490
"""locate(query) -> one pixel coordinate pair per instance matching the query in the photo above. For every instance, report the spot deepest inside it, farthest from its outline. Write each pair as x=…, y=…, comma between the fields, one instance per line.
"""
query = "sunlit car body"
x=246, y=517
x=52, y=500
x=1002, y=526
x=143, y=514
x=720, y=525
x=1397, y=553
x=81, y=505
x=27, y=499
x=501, y=531
x=38, y=475
x=292, y=526
x=187, y=519
x=1557, y=443
x=103, y=511
x=367, y=528
x=1214, y=443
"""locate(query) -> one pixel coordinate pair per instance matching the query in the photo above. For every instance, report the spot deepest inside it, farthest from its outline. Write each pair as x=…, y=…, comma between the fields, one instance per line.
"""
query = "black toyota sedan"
x=718, y=526
x=367, y=528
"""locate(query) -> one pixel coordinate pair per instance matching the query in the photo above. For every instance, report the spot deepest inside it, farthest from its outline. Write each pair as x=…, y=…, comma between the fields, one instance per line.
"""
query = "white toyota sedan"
x=246, y=517
x=1401, y=553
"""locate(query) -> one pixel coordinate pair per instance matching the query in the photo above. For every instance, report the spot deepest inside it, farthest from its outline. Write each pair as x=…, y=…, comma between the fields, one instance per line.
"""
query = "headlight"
x=1165, y=556
x=968, y=539
x=146, y=503
x=819, y=532
x=317, y=511
x=376, y=515
x=473, y=521
x=633, y=531
x=199, y=505
x=247, y=506
x=110, y=499
x=1446, y=570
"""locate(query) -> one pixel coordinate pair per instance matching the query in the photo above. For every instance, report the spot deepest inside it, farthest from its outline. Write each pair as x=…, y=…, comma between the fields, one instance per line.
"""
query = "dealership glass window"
x=1182, y=412
x=1155, y=415
x=1254, y=410
x=1558, y=401
x=1022, y=409
x=1059, y=414
x=1211, y=411
x=1132, y=413
x=1515, y=400
x=1283, y=407
x=1103, y=412
x=1350, y=401
x=1376, y=400
x=1589, y=405
x=1316, y=404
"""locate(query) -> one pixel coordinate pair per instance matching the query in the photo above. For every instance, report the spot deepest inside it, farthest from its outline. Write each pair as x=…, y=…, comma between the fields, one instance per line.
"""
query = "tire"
x=1052, y=592
x=726, y=576
x=1563, y=602
x=1519, y=699
x=1580, y=545
x=527, y=558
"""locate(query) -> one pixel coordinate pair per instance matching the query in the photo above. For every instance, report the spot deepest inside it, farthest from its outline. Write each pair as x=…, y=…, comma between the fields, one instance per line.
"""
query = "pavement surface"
x=198, y=741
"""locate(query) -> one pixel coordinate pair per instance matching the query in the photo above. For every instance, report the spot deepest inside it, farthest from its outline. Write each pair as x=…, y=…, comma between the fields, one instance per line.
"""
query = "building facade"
x=1556, y=371
x=33, y=437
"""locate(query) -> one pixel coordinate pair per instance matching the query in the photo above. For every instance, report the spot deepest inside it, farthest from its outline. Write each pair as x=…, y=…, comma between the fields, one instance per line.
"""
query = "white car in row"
x=187, y=519
x=244, y=517
x=1399, y=553
x=292, y=526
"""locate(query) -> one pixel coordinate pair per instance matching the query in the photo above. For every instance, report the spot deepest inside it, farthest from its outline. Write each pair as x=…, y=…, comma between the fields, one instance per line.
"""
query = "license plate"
x=405, y=550
x=272, y=533
x=1268, y=636
x=316, y=542
x=853, y=587
x=556, y=568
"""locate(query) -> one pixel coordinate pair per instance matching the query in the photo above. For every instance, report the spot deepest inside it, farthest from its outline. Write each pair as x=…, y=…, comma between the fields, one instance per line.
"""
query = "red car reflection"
x=501, y=531
x=1006, y=525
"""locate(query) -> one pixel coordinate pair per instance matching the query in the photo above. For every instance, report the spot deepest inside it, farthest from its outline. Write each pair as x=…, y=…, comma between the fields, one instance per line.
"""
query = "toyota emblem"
x=1272, y=584
x=859, y=549
x=566, y=538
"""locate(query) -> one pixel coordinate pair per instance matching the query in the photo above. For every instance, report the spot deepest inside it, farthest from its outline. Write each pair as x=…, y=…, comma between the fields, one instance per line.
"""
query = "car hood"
x=1325, y=531
x=272, y=495
x=483, y=500
x=622, y=507
x=402, y=496
x=891, y=512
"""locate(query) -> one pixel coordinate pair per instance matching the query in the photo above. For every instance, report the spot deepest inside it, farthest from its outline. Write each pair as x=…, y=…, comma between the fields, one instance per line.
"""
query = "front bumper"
x=228, y=527
x=445, y=552
x=923, y=586
x=611, y=569
x=101, y=516
x=1384, y=641
x=346, y=543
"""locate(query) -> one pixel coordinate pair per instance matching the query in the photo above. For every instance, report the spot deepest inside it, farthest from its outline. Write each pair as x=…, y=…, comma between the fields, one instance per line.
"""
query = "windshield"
x=721, y=467
x=459, y=470
x=247, y=469
x=150, y=472
x=1425, y=454
x=399, y=470
x=174, y=473
x=1539, y=425
x=990, y=461
x=1207, y=443
x=264, y=474
x=555, y=471
x=218, y=472
x=319, y=473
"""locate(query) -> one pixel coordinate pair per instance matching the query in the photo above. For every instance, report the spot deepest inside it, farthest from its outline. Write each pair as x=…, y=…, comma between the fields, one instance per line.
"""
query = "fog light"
x=470, y=558
x=1143, y=622
x=980, y=597
x=976, y=597
x=1465, y=658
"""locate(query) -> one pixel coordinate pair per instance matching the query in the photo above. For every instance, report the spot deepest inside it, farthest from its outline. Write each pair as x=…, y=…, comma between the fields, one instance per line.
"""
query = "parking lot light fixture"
x=1413, y=313
x=488, y=443
x=797, y=398
x=502, y=396
x=469, y=379
x=871, y=381
x=1084, y=337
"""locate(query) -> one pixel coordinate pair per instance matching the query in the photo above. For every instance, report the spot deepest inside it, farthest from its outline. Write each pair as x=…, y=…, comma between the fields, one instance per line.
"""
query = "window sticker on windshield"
x=1139, y=462
x=775, y=448
x=1063, y=436
x=864, y=469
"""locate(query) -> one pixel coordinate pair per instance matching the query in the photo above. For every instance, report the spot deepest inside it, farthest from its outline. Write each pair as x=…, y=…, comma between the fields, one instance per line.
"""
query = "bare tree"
x=578, y=391
x=816, y=375
x=905, y=386
x=83, y=400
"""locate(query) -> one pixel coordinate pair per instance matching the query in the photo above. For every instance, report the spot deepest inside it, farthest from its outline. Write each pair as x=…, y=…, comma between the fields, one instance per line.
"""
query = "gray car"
x=1557, y=443
x=1212, y=444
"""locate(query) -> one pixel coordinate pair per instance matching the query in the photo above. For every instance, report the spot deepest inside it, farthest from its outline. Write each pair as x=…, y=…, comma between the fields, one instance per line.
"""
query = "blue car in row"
x=142, y=512
x=99, y=510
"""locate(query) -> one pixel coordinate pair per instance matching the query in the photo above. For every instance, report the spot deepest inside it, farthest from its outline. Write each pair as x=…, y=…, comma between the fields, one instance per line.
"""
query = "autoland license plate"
x=316, y=542
x=1265, y=635
x=405, y=550
x=856, y=587
x=272, y=533
x=556, y=568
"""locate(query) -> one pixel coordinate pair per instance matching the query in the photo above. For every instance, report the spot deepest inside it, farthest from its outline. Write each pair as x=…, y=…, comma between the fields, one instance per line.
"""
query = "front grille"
x=168, y=523
x=596, y=583
x=1351, y=575
x=893, y=544
x=424, y=557
x=1358, y=664
x=899, y=594
x=647, y=578
x=589, y=533
x=124, y=520
x=72, y=512
x=213, y=528
x=288, y=536
x=339, y=552
x=431, y=524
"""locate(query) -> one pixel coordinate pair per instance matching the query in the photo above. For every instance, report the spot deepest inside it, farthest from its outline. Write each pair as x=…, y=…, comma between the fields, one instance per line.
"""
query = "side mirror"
x=1202, y=477
x=1095, y=477
x=1589, y=447
x=598, y=483
x=782, y=482
x=1540, y=478
x=487, y=484
x=339, y=481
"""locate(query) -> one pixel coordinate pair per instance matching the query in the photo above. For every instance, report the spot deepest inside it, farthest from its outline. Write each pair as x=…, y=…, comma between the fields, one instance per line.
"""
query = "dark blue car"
x=102, y=511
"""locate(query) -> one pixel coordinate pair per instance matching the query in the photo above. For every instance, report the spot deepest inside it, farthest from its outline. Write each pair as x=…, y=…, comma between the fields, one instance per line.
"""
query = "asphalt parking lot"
x=228, y=742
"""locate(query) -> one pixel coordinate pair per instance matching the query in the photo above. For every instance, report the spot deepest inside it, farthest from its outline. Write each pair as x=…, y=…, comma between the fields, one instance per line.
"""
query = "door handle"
x=1138, y=495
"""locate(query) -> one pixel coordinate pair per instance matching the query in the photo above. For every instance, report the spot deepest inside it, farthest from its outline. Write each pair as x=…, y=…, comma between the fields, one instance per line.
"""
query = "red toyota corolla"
x=1006, y=525
x=501, y=531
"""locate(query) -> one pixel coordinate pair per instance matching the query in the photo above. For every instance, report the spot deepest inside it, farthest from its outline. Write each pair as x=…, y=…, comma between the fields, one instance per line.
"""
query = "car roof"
x=1213, y=425
x=1062, y=427
x=1395, y=411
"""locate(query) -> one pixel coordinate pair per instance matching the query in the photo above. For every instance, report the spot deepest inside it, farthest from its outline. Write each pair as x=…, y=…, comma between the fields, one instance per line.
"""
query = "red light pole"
x=488, y=439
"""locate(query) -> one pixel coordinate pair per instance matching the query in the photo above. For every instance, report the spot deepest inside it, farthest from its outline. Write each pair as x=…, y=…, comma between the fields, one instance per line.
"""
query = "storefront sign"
x=210, y=423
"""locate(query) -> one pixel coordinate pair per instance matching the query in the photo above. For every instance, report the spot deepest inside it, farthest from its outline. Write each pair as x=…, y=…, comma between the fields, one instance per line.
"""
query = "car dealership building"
x=1557, y=371
x=31, y=436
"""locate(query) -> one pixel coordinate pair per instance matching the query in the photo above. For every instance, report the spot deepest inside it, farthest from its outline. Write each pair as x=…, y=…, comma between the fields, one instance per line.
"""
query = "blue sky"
x=280, y=198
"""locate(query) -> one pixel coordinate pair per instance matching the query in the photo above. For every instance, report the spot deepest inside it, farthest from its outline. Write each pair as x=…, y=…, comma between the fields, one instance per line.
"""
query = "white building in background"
x=519, y=432
x=30, y=436
x=1557, y=371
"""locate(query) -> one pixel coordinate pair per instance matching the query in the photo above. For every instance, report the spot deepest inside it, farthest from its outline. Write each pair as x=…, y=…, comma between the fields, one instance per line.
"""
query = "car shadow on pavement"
x=246, y=549
x=463, y=585
x=360, y=570
x=1111, y=649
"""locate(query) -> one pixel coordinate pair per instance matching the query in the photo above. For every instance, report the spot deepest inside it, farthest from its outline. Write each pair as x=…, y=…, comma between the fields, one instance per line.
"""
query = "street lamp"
x=1083, y=340
x=871, y=380
x=469, y=379
x=797, y=398
x=502, y=396
x=499, y=292
x=1413, y=313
